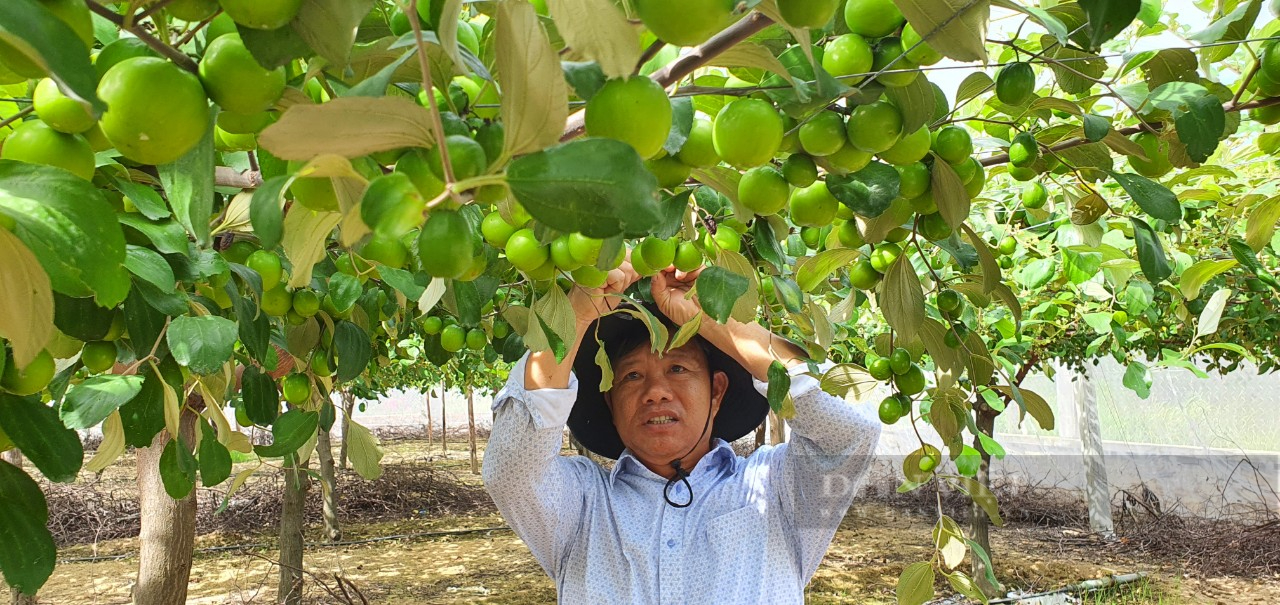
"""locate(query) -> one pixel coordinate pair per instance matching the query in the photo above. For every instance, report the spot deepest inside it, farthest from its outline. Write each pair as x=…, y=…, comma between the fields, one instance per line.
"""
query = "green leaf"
x=202, y=344
x=955, y=28
x=143, y=416
x=344, y=290
x=916, y=102
x=150, y=267
x=1197, y=275
x=34, y=427
x=260, y=396
x=215, y=460
x=868, y=192
x=188, y=183
x=177, y=470
x=1218, y=30
x=37, y=33
x=376, y=85
x=841, y=379
x=990, y=446
x=969, y=461
x=353, y=348
x=168, y=236
x=949, y=193
x=1095, y=127
x=1051, y=23
x=1261, y=225
x=1037, y=273
x=1151, y=256
x=28, y=556
x=818, y=268
x=681, y=124
x=411, y=285
x=719, y=290
x=902, y=297
x=1138, y=379
x=973, y=85
x=146, y=199
x=586, y=78
x=555, y=312
x=1032, y=403
x=70, y=228
x=90, y=402
x=1201, y=127
x=779, y=385
x=982, y=497
x=915, y=585
x=266, y=211
x=597, y=187
x=766, y=245
x=290, y=431
x=1107, y=18
x=1154, y=199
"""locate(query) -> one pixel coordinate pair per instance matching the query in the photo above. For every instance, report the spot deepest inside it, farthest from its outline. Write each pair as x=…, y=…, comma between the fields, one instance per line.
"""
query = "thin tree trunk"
x=168, y=526
x=291, y=526
x=14, y=457
x=426, y=395
x=760, y=435
x=471, y=429
x=979, y=524
x=348, y=408
x=329, y=508
x=444, y=424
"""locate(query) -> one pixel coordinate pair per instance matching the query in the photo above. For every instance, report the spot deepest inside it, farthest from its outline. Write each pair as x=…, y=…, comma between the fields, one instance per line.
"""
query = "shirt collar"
x=720, y=455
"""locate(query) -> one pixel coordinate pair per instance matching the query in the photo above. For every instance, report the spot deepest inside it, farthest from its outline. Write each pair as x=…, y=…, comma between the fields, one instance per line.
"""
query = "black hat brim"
x=741, y=411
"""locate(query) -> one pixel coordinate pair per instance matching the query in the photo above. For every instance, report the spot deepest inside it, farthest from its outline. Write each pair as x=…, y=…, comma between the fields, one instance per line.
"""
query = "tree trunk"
x=14, y=457
x=329, y=508
x=168, y=526
x=979, y=524
x=777, y=429
x=471, y=429
x=291, y=526
x=444, y=424
x=760, y=435
x=426, y=396
x=348, y=408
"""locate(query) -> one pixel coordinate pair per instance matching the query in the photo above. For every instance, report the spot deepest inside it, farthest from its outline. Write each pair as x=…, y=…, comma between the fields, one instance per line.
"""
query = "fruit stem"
x=479, y=181
x=437, y=125
x=178, y=57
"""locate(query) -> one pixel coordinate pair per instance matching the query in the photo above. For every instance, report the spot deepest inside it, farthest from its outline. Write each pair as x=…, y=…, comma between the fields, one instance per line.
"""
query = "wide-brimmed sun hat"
x=741, y=411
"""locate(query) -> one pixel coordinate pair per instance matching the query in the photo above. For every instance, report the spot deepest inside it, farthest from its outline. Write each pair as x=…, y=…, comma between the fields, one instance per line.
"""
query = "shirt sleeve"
x=815, y=475
x=542, y=494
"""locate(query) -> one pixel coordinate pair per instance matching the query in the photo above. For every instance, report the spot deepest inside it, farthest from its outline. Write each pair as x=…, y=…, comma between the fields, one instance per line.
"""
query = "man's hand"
x=590, y=304
x=670, y=289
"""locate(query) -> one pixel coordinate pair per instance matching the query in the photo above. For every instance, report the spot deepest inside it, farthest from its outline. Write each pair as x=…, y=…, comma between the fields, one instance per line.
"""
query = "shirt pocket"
x=737, y=541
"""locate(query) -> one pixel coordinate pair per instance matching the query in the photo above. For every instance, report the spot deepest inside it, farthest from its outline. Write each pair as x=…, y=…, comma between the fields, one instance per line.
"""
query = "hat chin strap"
x=682, y=475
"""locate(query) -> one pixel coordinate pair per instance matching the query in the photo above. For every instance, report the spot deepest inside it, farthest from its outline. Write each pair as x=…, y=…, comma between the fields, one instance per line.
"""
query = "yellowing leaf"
x=902, y=297
x=349, y=127
x=598, y=31
x=534, y=92
x=26, y=300
x=366, y=456
x=305, y=234
x=1262, y=223
x=949, y=540
x=1197, y=275
x=172, y=409
x=447, y=31
x=955, y=28
x=112, y=445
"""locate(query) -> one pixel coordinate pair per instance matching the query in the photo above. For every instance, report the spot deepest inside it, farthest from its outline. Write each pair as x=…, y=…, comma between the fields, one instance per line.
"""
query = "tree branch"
x=1230, y=107
x=686, y=64
x=175, y=55
x=228, y=177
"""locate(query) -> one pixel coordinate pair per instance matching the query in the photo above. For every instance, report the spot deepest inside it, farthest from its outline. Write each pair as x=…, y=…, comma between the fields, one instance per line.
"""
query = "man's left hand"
x=670, y=288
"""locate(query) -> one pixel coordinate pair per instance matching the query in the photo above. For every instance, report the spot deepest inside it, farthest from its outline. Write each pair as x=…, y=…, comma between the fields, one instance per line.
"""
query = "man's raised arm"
x=540, y=493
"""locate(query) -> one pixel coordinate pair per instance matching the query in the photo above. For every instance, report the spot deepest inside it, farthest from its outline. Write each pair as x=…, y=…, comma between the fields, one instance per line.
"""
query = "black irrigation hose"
x=234, y=547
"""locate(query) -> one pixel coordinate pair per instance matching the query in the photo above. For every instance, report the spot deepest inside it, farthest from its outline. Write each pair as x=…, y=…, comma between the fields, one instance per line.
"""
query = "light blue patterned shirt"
x=755, y=533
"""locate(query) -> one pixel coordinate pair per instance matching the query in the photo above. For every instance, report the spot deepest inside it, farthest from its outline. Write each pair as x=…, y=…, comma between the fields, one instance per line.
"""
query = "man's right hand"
x=590, y=304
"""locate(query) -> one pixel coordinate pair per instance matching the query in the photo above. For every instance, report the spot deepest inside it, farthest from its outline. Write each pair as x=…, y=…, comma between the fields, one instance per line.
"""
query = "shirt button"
x=671, y=543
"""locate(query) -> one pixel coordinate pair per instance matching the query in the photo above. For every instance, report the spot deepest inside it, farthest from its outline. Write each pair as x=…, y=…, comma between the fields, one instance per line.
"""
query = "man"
x=680, y=518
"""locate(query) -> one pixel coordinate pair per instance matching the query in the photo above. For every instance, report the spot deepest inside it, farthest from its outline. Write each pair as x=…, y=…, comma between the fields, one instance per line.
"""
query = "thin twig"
x=437, y=125
x=175, y=55
x=193, y=31
x=26, y=111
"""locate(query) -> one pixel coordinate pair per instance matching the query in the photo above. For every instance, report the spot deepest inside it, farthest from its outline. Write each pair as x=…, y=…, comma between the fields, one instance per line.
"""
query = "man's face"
x=661, y=404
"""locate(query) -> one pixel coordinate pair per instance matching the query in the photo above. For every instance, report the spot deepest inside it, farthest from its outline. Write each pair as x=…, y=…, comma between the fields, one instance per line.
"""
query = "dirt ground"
x=472, y=558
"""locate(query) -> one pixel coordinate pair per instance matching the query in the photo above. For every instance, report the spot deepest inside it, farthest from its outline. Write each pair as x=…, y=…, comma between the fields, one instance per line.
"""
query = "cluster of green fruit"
x=908, y=380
